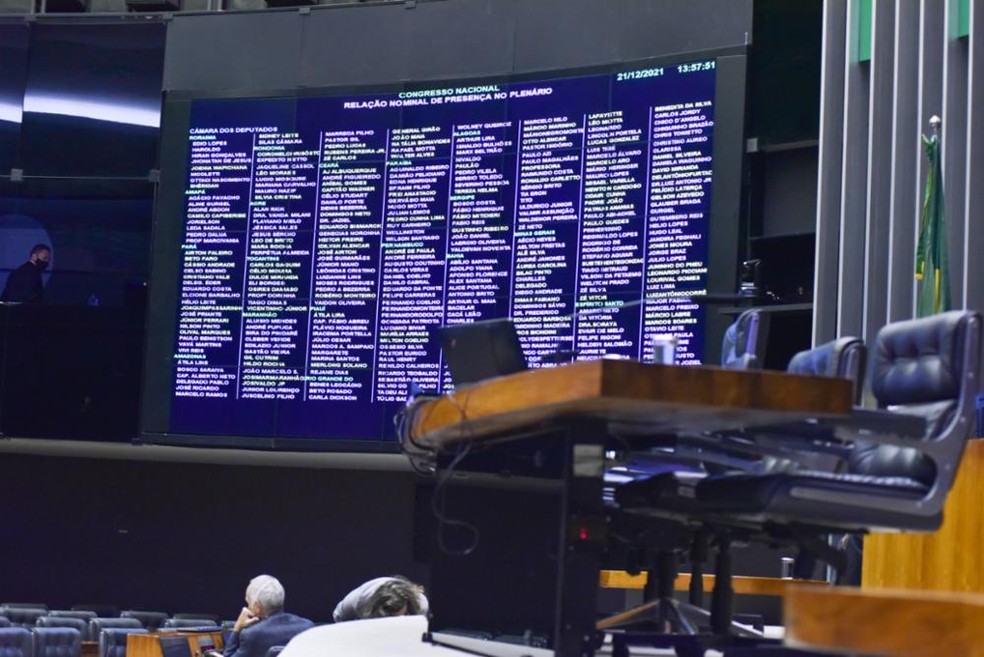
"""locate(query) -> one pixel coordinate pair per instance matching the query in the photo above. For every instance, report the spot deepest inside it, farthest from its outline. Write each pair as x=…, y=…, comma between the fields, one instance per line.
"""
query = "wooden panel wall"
x=951, y=559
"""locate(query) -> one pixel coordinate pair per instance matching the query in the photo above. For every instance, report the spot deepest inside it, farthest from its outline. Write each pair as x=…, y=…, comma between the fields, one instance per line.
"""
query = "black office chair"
x=925, y=367
x=23, y=616
x=843, y=358
x=57, y=642
x=79, y=624
x=177, y=623
x=98, y=625
x=102, y=610
x=87, y=615
x=25, y=605
x=152, y=620
x=196, y=616
x=902, y=459
x=743, y=346
x=16, y=642
x=112, y=640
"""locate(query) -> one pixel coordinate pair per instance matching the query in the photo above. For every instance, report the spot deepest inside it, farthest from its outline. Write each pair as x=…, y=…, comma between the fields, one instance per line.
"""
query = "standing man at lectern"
x=263, y=623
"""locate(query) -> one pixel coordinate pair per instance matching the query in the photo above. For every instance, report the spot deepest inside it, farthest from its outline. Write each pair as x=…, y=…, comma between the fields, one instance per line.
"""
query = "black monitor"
x=481, y=350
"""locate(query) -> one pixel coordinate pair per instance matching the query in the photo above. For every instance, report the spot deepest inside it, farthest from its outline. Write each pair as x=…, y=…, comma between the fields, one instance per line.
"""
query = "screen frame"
x=168, y=230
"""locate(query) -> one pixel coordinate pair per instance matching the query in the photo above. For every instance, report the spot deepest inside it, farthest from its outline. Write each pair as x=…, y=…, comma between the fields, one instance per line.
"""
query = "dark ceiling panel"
x=234, y=52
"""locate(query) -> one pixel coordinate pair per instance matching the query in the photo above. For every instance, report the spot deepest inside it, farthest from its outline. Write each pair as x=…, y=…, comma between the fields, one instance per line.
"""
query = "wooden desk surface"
x=742, y=585
x=652, y=396
x=885, y=622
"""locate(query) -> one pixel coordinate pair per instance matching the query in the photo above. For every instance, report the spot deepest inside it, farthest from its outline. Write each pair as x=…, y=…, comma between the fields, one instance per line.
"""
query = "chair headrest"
x=824, y=360
x=63, y=621
x=843, y=358
x=57, y=636
x=920, y=360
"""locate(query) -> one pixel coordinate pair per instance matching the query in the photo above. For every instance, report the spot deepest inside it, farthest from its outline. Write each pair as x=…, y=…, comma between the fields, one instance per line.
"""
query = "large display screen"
x=323, y=239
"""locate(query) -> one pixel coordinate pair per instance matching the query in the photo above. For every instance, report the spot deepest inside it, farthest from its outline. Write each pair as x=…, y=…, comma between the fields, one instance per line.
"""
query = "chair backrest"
x=102, y=610
x=73, y=613
x=79, y=624
x=843, y=358
x=25, y=605
x=98, y=625
x=16, y=642
x=57, y=642
x=190, y=622
x=4, y=621
x=197, y=616
x=23, y=616
x=112, y=640
x=151, y=620
x=926, y=367
x=743, y=347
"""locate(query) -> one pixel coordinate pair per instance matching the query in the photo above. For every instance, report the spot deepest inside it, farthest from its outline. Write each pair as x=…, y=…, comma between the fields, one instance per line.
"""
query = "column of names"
x=209, y=314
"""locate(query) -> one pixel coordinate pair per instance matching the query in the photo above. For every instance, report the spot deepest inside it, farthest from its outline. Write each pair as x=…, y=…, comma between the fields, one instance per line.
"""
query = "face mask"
x=42, y=264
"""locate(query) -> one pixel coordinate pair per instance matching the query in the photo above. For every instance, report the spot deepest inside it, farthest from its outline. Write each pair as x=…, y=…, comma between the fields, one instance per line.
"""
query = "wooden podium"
x=950, y=559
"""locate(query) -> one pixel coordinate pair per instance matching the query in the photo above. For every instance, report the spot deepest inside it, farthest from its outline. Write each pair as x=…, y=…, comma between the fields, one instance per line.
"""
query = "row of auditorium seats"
x=61, y=641
x=90, y=623
x=65, y=641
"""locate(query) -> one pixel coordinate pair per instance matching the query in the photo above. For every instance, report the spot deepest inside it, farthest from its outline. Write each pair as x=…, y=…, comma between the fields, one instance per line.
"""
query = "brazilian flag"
x=932, y=261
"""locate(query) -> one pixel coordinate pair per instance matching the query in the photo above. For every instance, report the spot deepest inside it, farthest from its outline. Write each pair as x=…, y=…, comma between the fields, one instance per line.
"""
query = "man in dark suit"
x=25, y=283
x=263, y=623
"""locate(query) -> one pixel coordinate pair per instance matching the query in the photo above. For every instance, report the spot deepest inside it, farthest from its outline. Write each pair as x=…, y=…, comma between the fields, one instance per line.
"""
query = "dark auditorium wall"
x=436, y=39
x=185, y=537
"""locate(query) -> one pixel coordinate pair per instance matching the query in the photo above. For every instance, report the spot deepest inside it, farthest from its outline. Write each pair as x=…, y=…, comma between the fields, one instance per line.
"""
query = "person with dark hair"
x=263, y=623
x=25, y=283
x=381, y=597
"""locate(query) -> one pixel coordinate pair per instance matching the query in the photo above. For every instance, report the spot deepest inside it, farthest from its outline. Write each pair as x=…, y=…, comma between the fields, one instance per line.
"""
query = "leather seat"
x=112, y=640
x=99, y=625
x=57, y=642
x=151, y=620
x=23, y=616
x=73, y=613
x=16, y=642
x=926, y=368
x=190, y=622
x=79, y=624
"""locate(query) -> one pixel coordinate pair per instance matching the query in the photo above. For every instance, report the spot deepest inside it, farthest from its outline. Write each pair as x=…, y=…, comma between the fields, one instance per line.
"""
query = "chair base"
x=625, y=642
x=668, y=616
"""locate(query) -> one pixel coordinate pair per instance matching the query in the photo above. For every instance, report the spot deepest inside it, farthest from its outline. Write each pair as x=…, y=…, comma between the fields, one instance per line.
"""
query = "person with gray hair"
x=263, y=623
x=381, y=597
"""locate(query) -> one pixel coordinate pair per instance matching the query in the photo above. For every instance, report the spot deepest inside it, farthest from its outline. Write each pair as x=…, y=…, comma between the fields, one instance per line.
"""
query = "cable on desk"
x=439, y=499
x=422, y=458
